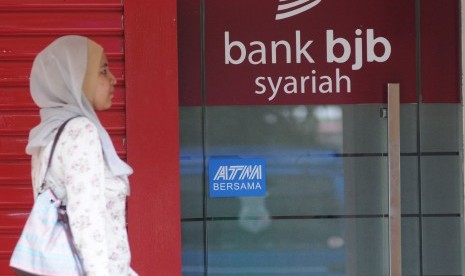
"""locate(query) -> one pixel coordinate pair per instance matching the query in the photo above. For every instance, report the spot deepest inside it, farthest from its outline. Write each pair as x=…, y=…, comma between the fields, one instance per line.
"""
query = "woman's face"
x=103, y=94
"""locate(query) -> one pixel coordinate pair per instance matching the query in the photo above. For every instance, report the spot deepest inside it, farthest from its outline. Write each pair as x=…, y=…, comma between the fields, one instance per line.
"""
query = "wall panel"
x=26, y=27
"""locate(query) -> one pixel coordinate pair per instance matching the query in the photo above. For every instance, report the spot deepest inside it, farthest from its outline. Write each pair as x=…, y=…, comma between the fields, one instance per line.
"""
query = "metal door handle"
x=395, y=246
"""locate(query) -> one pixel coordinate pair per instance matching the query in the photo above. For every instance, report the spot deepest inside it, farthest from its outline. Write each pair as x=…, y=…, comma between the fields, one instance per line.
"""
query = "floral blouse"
x=95, y=200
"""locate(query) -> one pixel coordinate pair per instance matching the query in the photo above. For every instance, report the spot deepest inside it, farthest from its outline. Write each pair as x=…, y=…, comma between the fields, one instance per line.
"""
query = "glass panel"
x=441, y=180
x=321, y=161
x=316, y=186
x=366, y=246
x=191, y=158
x=408, y=128
x=308, y=173
x=192, y=174
x=364, y=131
x=409, y=184
x=440, y=128
x=410, y=246
x=192, y=249
x=442, y=253
x=307, y=179
x=366, y=185
x=298, y=247
x=442, y=189
x=253, y=129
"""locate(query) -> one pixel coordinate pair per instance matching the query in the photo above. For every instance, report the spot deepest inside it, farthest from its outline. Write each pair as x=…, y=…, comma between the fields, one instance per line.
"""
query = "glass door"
x=327, y=206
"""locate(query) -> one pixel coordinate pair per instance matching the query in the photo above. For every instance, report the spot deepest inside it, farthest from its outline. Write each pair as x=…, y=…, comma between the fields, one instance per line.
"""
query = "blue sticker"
x=237, y=177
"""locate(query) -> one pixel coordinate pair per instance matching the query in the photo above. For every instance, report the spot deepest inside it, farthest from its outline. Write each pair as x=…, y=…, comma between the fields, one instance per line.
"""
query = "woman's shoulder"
x=80, y=126
x=80, y=122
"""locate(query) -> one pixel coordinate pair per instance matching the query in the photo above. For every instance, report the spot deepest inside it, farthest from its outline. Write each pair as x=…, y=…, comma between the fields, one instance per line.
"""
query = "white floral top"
x=96, y=200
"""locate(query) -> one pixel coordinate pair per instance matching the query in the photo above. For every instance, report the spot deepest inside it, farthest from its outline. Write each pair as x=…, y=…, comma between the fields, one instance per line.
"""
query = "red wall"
x=23, y=33
x=143, y=56
x=152, y=135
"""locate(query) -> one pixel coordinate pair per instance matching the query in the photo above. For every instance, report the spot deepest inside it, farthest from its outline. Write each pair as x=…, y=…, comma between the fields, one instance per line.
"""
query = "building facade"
x=267, y=137
x=291, y=159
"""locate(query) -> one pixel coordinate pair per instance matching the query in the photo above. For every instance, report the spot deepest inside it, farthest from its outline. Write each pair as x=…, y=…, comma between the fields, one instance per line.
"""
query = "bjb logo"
x=289, y=8
x=237, y=177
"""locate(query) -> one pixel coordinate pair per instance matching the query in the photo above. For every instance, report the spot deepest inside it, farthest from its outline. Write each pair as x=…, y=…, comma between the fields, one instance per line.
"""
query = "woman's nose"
x=113, y=80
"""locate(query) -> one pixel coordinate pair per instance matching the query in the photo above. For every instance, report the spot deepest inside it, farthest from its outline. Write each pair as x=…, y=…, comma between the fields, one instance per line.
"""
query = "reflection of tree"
x=261, y=125
x=295, y=126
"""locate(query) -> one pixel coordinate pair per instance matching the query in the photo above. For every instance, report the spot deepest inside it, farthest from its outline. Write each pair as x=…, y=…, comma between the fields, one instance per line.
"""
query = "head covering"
x=57, y=83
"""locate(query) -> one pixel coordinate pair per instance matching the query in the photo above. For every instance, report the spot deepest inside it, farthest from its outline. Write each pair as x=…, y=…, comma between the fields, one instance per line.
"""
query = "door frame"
x=462, y=66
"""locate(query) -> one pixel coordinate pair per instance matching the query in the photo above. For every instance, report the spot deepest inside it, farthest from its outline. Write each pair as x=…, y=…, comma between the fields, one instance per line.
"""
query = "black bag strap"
x=55, y=142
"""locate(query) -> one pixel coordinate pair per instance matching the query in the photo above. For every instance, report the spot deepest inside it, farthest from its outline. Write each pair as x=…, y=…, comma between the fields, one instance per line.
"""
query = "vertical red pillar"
x=151, y=75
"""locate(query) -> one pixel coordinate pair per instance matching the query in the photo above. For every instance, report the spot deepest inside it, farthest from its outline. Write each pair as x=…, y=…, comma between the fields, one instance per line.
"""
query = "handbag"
x=46, y=245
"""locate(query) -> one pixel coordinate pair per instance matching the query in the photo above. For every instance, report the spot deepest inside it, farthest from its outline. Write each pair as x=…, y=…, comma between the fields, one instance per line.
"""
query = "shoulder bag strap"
x=55, y=142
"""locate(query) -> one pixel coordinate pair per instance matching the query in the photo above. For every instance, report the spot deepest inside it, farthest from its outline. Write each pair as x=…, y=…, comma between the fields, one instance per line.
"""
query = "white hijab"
x=56, y=82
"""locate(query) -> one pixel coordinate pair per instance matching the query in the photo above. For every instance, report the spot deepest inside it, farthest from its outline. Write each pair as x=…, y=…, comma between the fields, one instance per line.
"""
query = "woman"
x=70, y=78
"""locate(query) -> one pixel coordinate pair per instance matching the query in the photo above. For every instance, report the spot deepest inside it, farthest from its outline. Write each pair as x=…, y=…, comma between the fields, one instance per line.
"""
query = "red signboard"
x=308, y=52
x=260, y=52
x=440, y=51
